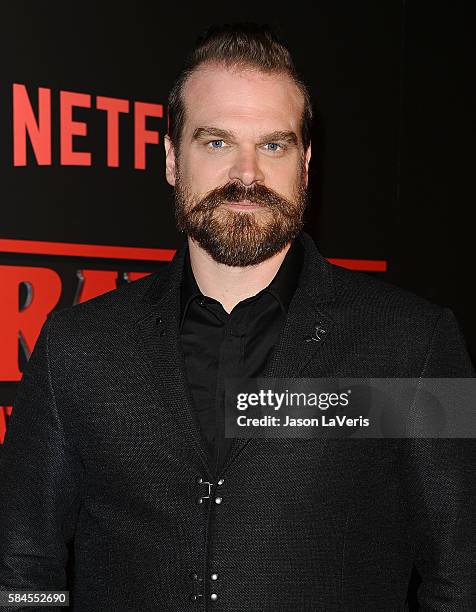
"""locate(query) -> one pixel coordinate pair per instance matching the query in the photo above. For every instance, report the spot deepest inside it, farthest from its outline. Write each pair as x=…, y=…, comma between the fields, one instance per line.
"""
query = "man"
x=117, y=440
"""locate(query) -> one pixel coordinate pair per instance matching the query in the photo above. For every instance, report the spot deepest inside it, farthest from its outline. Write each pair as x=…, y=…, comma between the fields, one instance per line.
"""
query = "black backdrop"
x=393, y=152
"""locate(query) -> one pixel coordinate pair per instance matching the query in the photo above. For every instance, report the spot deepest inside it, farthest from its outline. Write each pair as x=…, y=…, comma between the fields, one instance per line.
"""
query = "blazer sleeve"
x=40, y=484
x=442, y=491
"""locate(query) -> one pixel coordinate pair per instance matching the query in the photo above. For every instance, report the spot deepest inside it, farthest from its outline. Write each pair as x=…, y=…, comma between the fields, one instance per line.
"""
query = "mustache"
x=237, y=192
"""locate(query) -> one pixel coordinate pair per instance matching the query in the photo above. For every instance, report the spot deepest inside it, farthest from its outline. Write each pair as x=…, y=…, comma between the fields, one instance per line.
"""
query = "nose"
x=245, y=167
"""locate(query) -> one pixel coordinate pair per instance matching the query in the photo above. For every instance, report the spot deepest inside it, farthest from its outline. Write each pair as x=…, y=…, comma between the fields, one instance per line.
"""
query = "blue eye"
x=273, y=146
x=214, y=144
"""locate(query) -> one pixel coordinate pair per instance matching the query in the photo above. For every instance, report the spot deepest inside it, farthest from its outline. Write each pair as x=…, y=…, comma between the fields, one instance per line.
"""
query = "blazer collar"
x=315, y=278
x=281, y=287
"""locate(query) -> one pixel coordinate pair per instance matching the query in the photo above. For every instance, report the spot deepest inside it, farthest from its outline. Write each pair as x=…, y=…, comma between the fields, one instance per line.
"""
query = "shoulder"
x=108, y=315
x=360, y=296
x=371, y=297
x=379, y=318
x=380, y=314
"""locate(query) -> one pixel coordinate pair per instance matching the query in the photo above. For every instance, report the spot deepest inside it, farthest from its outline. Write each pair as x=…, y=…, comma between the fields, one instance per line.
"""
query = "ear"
x=169, y=160
x=307, y=159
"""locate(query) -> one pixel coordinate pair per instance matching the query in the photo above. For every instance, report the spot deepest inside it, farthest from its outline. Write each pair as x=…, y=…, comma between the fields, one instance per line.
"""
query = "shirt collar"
x=282, y=286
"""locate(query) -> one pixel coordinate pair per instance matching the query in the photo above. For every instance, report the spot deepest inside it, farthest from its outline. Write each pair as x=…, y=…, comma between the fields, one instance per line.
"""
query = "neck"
x=231, y=284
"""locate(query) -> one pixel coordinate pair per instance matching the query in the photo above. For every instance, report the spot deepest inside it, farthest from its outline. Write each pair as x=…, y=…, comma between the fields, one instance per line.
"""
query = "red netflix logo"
x=37, y=128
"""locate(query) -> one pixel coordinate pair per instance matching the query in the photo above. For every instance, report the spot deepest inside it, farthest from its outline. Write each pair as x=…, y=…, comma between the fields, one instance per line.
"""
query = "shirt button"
x=193, y=597
x=213, y=596
x=218, y=500
x=221, y=481
x=214, y=576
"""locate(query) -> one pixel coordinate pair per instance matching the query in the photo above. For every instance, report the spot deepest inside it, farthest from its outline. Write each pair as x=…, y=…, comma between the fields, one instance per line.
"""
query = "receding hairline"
x=241, y=67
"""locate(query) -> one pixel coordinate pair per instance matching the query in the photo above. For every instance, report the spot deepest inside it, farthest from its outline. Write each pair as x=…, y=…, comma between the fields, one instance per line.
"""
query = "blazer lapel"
x=157, y=343
x=157, y=339
x=306, y=328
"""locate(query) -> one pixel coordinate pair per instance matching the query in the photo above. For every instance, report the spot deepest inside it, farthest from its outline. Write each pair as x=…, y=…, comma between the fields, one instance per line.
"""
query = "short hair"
x=242, y=45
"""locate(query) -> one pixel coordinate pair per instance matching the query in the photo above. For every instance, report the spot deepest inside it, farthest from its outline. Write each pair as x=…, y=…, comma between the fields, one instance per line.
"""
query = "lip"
x=243, y=205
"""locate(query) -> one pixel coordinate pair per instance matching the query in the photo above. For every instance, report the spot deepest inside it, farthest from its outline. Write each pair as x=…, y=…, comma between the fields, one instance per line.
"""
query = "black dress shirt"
x=217, y=345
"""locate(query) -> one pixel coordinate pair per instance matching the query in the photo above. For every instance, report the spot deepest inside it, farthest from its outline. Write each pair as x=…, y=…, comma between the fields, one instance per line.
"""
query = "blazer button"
x=193, y=597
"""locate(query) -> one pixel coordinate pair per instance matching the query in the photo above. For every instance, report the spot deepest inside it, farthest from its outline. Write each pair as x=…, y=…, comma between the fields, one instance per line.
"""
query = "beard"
x=241, y=238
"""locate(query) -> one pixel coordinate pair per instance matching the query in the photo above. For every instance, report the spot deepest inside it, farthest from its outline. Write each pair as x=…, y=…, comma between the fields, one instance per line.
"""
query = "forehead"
x=241, y=99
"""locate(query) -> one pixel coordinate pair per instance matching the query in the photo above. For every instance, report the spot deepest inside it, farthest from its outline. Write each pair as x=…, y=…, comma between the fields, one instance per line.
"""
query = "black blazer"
x=102, y=447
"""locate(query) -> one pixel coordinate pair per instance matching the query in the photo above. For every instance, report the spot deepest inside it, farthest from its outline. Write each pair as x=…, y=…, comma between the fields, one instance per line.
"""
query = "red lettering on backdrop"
x=3, y=424
x=70, y=128
x=24, y=121
x=4, y=412
x=39, y=128
x=143, y=136
x=95, y=282
x=133, y=276
x=44, y=291
x=112, y=106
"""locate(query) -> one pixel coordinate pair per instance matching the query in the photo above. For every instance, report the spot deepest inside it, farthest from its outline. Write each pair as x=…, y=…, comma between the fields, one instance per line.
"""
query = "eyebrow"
x=203, y=132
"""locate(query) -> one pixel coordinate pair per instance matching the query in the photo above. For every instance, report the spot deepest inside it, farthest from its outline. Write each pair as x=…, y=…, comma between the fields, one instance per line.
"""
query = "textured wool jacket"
x=102, y=447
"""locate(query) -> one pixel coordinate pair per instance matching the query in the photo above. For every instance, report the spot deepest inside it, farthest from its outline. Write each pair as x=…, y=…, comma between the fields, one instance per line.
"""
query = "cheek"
x=283, y=180
x=203, y=173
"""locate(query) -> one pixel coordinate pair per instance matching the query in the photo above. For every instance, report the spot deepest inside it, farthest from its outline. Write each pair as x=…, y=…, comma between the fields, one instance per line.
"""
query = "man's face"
x=240, y=174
